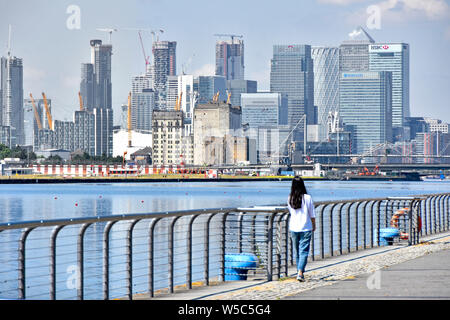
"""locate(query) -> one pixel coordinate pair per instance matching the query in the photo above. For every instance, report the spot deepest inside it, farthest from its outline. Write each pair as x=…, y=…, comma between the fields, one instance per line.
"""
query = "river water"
x=57, y=201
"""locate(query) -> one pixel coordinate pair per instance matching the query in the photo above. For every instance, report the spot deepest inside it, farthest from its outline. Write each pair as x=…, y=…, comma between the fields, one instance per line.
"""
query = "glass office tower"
x=394, y=58
x=365, y=107
x=292, y=74
x=326, y=84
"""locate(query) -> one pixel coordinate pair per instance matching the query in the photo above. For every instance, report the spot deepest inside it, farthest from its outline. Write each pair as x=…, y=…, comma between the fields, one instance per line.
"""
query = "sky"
x=53, y=39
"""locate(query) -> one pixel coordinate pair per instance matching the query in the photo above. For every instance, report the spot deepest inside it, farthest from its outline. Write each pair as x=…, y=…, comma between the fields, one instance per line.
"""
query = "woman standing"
x=302, y=223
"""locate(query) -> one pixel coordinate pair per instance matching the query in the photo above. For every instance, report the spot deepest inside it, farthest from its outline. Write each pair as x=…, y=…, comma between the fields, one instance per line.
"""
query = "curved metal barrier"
x=143, y=255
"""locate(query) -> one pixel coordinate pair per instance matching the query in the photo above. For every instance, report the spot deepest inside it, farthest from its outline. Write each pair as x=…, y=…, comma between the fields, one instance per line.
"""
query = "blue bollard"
x=387, y=236
x=238, y=264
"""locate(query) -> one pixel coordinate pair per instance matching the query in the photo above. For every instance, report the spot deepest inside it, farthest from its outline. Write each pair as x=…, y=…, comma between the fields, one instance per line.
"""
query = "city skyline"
x=53, y=66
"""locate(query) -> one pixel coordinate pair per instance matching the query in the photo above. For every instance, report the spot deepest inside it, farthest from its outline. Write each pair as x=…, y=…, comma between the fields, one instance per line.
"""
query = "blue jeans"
x=300, y=243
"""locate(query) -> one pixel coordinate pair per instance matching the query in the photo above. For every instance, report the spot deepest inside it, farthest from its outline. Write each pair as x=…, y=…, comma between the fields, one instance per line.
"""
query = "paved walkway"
x=392, y=272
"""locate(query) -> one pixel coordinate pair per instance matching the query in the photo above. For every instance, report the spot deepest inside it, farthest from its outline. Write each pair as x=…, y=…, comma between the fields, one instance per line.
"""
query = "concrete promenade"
x=392, y=272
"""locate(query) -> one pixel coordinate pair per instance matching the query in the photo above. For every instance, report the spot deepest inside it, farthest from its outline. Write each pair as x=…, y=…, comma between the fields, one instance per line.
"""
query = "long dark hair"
x=298, y=189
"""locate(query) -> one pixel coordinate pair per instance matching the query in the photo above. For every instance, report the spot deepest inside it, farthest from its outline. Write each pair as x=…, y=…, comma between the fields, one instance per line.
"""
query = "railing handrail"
x=165, y=214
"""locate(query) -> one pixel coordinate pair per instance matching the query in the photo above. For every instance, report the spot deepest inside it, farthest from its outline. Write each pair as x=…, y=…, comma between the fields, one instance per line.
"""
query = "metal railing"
x=143, y=255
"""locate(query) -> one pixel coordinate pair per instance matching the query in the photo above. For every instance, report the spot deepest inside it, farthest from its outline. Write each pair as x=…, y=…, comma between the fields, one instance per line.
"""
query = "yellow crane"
x=47, y=110
x=216, y=97
x=229, y=97
x=36, y=114
x=178, y=102
x=129, y=120
x=81, y=101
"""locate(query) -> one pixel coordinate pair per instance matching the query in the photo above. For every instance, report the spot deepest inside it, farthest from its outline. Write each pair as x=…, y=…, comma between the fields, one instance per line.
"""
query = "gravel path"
x=329, y=275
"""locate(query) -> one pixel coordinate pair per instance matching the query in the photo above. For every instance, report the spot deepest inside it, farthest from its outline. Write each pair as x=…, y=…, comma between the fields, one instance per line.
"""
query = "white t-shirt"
x=300, y=219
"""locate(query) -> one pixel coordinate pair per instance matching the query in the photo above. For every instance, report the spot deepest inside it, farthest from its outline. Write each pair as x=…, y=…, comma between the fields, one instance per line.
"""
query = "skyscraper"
x=230, y=59
x=96, y=92
x=164, y=65
x=394, y=57
x=208, y=86
x=11, y=101
x=326, y=84
x=354, y=53
x=365, y=107
x=292, y=73
x=237, y=87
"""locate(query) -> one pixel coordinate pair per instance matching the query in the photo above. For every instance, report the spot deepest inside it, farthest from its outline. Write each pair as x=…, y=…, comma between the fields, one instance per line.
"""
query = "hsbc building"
x=394, y=57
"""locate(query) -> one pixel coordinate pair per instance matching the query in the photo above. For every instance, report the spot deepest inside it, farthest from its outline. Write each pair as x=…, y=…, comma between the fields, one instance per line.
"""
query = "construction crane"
x=109, y=30
x=146, y=58
x=36, y=114
x=216, y=97
x=232, y=36
x=47, y=110
x=228, y=97
x=129, y=120
x=178, y=102
x=81, y=101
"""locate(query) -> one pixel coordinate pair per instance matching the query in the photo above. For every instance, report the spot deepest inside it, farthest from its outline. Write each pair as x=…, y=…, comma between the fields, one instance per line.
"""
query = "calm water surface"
x=56, y=201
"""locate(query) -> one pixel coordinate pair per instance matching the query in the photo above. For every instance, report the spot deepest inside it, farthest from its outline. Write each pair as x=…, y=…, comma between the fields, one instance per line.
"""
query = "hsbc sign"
x=385, y=48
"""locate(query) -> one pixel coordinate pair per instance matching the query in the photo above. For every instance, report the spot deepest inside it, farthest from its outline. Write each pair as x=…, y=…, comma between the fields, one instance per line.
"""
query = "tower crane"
x=108, y=30
x=232, y=36
x=36, y=114
x=178, y=102
x=47, y=110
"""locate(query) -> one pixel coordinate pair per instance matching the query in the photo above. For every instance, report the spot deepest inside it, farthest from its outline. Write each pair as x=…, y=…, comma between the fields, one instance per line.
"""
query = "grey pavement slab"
x=426, y=277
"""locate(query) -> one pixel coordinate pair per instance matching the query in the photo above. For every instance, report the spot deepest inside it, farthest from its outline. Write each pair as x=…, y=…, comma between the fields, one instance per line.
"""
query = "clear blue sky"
x=53, y=53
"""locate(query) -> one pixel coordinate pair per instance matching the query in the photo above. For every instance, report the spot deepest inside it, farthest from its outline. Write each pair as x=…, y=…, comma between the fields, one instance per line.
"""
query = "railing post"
x=357, y=225
x=322, y=226
x=53, y=262
x=340, y=228
x=171, y=255
x=270, y=248
x=349, y=227
x=151, y=256
x=207, y=242
x=222, y=247
x=80, y=285
x=331, y=229
x=239, y=236
x=129, y=254
x=106, y=232
x=189, y=253
x=22, y=261
x=286, y=233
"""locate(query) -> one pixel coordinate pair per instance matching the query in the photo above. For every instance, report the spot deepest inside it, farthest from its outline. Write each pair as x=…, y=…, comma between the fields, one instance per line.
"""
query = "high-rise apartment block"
x=230, y=59
x=11, y=98
x=96, y=92
x=164, y=65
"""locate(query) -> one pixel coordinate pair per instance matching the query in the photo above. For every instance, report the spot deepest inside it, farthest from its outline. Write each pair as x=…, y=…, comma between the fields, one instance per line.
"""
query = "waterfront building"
x=230, y=59
x=326, y=85
x=292, y=74
x=237, y=87
x=164, y=65
x=103, y=131
x=212, y=122
x=11, y=98
x=365, y=107
x=394, y=57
